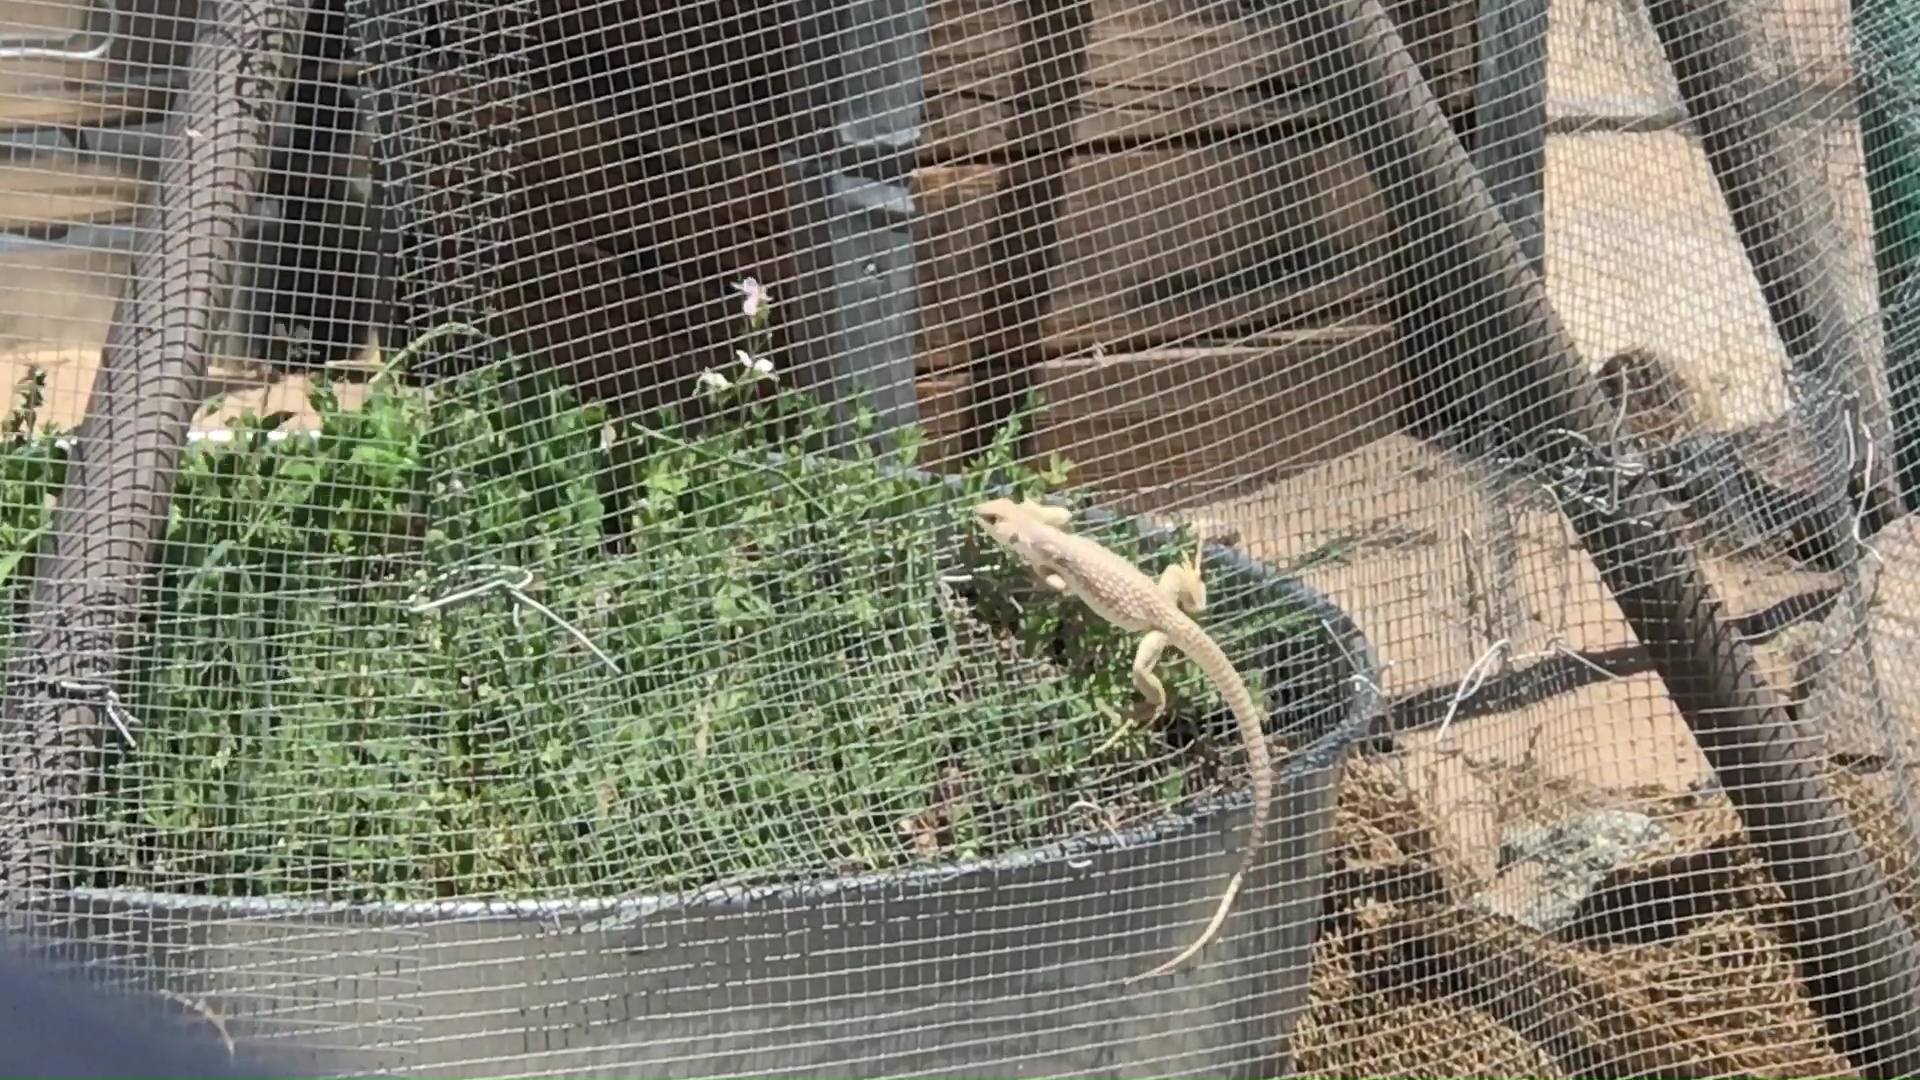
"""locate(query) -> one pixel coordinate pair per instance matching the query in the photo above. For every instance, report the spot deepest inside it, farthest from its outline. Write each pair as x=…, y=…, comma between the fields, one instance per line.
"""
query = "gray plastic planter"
x=1001, y=968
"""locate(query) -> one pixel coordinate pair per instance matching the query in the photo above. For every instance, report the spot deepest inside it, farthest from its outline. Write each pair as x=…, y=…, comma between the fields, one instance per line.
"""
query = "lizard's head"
x=1002, y=519
x=1015, y=525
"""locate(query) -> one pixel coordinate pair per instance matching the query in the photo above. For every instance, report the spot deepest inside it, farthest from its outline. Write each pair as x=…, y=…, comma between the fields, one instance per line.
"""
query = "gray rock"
x=1546, y=872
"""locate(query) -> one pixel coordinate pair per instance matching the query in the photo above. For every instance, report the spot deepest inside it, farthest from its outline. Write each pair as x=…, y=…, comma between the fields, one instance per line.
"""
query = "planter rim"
x=1363, y=707
x=614, y=909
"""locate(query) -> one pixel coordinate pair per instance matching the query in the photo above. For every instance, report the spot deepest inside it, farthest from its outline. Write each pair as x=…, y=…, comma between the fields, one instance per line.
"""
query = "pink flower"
x=755, y=304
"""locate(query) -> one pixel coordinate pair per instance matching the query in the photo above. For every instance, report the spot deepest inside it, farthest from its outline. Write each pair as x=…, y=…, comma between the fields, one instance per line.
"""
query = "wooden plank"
x=1155, y=69
x=57, y=296
x=1152, y=70
x=1161, y=248
x=727, y=65
x=55, y=192
x=692, y=204
x=50, y=19
x=30, y=100
x=625, y=239
x=1510, y=118
x=945, y=401
x=1442, y=35
x=1219, y=417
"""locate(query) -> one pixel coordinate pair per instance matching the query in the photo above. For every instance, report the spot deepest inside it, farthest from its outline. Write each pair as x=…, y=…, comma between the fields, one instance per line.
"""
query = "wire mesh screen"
x=967, y=537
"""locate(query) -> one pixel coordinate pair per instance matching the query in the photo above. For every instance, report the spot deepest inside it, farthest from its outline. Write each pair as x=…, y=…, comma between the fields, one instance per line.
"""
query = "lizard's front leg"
x=1046, y=576
x=1047, y=579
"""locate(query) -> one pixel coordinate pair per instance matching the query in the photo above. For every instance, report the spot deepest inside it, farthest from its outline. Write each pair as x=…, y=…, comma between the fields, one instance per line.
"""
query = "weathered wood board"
x=146, y=57
x=1214, y=417
x=31, y=99
x=1161, y=248
x=621, y=237
x=1132, y=201
x=1211, y=305
x=726, y=66
x=1154, y=70
x=55, y=297
x=56, y=190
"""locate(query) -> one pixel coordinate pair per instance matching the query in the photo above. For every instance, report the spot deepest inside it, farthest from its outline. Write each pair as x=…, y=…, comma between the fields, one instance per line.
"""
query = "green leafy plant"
x=490, y=641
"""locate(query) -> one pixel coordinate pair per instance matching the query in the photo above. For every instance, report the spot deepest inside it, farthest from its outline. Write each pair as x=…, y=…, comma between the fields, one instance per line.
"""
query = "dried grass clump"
x=1675, y=966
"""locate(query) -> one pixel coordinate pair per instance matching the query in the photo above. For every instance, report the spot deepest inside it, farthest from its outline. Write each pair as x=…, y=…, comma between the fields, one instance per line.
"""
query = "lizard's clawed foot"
x=1153, y=695
x=1181, y=583
x=1152, y=703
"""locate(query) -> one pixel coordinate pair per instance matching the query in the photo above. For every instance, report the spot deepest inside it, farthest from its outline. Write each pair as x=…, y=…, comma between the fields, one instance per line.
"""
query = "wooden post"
x=1025, y=236
x=1510, y=150
x=85, y=599
x=877, y=116
x=1887, y=60
x=1510, y=118
x=1478, y=320
x=1739, y=113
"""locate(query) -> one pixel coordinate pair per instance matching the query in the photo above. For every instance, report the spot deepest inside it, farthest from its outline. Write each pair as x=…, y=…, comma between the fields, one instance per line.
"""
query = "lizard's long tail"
x=1219, y=671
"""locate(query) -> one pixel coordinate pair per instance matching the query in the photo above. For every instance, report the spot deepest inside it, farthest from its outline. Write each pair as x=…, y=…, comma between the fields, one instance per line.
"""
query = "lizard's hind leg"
x=1181, y=584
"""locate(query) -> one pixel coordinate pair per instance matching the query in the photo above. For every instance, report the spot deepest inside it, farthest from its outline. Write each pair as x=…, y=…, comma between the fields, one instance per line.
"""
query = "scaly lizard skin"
x=1128, y=599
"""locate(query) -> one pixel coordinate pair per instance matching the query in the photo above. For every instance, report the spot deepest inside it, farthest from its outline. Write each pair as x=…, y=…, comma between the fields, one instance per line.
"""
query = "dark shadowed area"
x=55, y=1026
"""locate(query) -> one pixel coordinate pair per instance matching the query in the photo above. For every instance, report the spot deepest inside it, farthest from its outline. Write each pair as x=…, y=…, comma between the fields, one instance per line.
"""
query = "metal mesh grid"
x=488, y=507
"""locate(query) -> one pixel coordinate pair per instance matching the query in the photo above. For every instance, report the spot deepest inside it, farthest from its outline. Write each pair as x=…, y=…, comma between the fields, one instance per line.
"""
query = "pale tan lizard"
x=1128, y=599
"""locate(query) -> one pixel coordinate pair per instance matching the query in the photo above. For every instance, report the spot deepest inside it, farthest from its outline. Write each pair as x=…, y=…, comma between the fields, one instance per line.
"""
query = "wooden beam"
x=1157, y=70
x=1162, y=248
x=1219, y=417
x=1510, y=118
x=51, y=191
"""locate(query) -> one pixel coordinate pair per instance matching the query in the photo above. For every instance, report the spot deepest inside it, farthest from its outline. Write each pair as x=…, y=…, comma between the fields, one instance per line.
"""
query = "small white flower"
x=756, y=298
x=757, y=367
x=713, y=382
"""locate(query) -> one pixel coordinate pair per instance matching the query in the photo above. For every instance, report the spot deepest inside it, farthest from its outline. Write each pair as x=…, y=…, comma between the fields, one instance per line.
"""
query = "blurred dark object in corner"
x=55, y=1026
